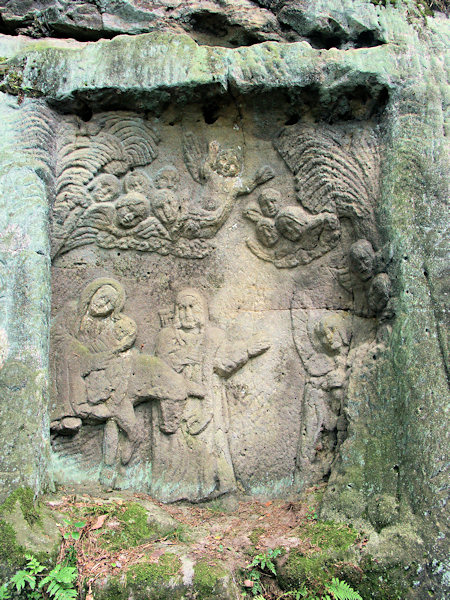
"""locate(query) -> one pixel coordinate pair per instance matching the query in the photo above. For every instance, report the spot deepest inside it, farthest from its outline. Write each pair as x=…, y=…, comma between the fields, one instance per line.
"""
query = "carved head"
x=379, y=292
x=131, y=209
x=269, y=202
x=267, y=233
x=331, y=332
x=137, y=181
x=290, y=222
x=362, y=259
x=104, y=188
x=227, y=163
x=191, y=310
x=167, y=178
x=101, y=298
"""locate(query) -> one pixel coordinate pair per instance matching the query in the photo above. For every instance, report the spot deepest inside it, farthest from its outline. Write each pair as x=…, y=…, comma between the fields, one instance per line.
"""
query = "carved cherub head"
x=104, y=188
x=267, y=233
x=191, y=310
x=291, y=221
x=331, y=332
x=379, y=292
x=131, y=209
x=362, y=259
x=228, y=163
x=137, y=181
x=167, y=178
x=269, y=202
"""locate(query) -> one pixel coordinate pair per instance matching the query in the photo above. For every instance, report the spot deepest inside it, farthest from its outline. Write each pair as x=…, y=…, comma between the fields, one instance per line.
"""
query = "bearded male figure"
x=194, y=462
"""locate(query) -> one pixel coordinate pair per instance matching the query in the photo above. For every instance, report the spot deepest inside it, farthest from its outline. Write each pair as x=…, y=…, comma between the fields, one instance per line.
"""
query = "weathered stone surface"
x=337, y=257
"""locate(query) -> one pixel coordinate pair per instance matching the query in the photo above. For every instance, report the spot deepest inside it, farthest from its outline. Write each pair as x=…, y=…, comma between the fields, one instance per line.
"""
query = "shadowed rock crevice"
x=223, y=24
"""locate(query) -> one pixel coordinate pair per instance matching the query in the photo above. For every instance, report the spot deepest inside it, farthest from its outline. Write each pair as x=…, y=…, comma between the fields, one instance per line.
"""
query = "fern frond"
x=341, y=590
x=4, y=593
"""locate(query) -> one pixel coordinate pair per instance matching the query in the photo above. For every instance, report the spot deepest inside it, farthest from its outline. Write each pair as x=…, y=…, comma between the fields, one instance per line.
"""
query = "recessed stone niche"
x=219, y=283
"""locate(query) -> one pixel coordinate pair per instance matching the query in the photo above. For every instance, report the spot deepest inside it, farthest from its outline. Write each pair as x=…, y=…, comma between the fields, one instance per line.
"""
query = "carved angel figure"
x=219, y=171
x=322, y=339
x=363, y=276
x=289, y=236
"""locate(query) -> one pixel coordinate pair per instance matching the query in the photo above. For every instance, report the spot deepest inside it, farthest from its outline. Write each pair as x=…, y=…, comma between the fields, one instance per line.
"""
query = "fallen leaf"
x=99, y=522
x=268, y=503
x=248, y=583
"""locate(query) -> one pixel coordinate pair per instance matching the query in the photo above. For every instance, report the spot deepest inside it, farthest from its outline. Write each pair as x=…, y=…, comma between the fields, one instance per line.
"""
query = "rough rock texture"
x=358, y=72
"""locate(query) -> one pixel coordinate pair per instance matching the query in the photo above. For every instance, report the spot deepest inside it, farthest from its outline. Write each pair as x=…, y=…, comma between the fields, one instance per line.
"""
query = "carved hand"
x=258, y=347
x=264, y=174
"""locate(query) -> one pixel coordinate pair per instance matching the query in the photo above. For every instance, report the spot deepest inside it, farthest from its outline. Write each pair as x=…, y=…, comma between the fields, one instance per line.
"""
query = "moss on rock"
x=157, y=581
x=210, y=580
x=135, y=527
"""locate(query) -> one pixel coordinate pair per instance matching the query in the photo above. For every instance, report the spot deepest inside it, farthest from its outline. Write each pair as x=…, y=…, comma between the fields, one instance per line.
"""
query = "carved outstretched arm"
x=263, y=175
x=230, y=360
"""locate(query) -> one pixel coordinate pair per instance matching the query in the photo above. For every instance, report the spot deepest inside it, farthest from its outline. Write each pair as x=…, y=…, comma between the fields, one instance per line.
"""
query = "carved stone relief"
x=203, y=343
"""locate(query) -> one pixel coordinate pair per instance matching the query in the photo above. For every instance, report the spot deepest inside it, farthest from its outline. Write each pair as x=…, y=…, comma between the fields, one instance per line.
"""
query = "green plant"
x=311, y=514
x=58, y=584
x=262, y=564
x=339, y=590
x=73, y=529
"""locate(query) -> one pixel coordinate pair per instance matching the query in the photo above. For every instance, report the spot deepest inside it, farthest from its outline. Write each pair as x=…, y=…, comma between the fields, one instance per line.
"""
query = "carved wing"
x=194, y=154
x=120, y=141
x=138, y=138
x=335, y=170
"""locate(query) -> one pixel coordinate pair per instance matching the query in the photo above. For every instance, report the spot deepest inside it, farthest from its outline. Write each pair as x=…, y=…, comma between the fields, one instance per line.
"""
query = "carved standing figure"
x=323, y=341
x=194, y=463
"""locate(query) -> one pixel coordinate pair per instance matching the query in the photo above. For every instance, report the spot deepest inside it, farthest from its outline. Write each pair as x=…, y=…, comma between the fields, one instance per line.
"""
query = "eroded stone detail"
x=102, y=198
x=100, y=378
x=150, y=397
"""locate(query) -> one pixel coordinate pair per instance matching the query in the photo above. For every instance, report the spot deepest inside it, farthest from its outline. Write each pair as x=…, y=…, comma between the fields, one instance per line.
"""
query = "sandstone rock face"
x=248, y=254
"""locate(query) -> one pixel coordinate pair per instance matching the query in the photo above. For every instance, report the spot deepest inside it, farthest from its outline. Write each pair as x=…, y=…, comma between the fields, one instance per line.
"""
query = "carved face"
x=136, y=181
x=268, y=202
x=267, y=233
x=131, y=209
x=190, y=311
x=105, y=188
x=227, y=164
x=379, y=292
x=330, y=332
x=167, y=178
x=290, y=223
x=103, y=301
x=362, y=258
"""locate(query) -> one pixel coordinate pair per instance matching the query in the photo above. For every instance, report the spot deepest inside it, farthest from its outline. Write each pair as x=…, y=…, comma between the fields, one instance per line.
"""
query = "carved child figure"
x=166, y=205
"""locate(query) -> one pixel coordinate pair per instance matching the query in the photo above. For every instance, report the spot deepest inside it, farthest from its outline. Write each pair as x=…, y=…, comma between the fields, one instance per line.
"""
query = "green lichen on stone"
x=314, y=570
x=28, y=505
x=372, y=580
x=209, y=580
x=329, y=535
x=11, y=553
x=157, y=581
x=134, y=528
